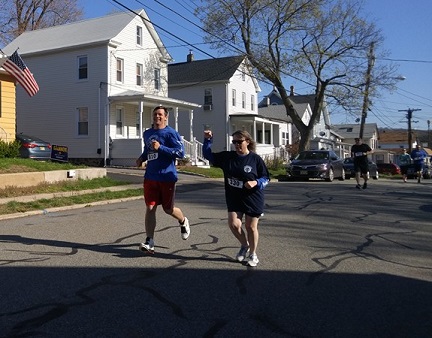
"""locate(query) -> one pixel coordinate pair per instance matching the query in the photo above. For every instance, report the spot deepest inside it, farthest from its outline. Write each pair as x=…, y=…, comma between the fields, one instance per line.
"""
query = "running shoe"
x=148, y=246
x=242, y=253
x=358, y=186
x=185, y=229
x=252, y=260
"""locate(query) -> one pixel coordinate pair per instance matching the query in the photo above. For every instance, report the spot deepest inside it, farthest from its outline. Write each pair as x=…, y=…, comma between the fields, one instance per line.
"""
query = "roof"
x=279, y=111
x=349, y=131
x=80, y=33
x=197, y=71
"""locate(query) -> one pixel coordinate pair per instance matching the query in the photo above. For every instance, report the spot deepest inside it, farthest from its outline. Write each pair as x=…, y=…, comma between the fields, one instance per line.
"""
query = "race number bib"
x=152, y=156
x=358, y=154
x=235, y=183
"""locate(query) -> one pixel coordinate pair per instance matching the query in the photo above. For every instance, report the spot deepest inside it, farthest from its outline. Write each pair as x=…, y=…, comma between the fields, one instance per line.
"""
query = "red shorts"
x=156, y=193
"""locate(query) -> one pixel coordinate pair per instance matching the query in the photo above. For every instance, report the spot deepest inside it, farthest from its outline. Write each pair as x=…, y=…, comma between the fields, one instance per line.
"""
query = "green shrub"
x=9, y=149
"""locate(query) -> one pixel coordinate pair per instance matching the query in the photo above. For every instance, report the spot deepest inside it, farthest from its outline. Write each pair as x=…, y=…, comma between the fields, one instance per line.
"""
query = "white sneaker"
x=148, y=246
x=252, y=260
x=185, y=229
x=242, y=253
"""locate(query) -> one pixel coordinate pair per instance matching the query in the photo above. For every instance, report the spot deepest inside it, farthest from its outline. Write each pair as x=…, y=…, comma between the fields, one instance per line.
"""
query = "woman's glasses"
x=237, y=141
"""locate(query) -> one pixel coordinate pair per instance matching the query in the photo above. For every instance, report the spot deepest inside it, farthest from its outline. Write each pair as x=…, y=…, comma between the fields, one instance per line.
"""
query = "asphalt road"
x=334, y=262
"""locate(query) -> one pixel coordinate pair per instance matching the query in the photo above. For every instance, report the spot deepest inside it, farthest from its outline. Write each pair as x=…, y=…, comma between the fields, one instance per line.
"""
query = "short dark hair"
x=161, y=107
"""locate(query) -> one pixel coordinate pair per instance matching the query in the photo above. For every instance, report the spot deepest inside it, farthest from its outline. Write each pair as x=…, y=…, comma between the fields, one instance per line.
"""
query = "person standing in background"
x=245, y=176
x=359, y=152
x=404, y=162
x=418, y=156
x=162, y=146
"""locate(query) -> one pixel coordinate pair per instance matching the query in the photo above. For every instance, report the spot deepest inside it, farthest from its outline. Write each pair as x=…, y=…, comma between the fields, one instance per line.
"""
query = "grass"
x=17, y=165
x=28, y=165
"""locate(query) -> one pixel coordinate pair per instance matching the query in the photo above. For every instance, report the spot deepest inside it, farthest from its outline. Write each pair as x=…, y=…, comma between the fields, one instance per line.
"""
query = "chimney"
x=291, y=90
x=190, y=57
x=267, y=101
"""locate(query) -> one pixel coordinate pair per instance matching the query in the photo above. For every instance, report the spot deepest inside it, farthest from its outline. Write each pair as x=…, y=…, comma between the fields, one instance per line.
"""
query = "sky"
x=406, y=27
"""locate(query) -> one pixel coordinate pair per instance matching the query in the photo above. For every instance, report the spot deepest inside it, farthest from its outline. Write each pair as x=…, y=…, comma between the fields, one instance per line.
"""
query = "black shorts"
x=361, y=166
x=404, y=169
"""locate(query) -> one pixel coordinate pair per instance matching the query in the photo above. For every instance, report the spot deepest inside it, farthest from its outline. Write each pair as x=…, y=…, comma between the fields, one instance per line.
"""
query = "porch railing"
x=193, y=150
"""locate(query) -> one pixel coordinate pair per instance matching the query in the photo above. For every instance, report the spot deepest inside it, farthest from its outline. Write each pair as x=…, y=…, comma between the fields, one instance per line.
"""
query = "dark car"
x=349, y=169
x=322, y=164
x=33, y=147
x=388, y=168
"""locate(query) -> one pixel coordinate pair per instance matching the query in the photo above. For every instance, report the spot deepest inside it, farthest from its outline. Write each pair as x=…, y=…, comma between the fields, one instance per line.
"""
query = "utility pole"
x=428, y=122
x=409, y=117
x=371, y=61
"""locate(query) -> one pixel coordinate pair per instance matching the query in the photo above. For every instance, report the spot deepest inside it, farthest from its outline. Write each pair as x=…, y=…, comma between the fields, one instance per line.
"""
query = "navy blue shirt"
x=237, y=170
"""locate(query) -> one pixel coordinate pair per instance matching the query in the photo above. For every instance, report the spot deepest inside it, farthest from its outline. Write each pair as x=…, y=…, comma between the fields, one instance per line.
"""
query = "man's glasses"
x=237, y=141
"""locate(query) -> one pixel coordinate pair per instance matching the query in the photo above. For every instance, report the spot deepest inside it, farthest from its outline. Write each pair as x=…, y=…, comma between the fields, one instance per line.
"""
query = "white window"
x=138, y=130
x=82, y=67
x=139, y=74
x=252, y=102
x=208, y=96
x=157, y=78
x=234, y=94
x=119, y=120
x=120, y=70
x=243, y=100
x=139, y=35
x=83, y=121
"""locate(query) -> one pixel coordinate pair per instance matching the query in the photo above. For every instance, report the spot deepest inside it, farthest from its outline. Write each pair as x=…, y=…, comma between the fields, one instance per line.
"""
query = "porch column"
x=191, y=136
x=255, y=131
x=141, y=109
x=271, y=134
x=263, y=133
x=176, y=118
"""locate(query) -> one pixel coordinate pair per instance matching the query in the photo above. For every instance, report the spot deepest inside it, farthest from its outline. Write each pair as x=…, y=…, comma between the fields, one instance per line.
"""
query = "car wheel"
x=330, y=175
x=342, y=177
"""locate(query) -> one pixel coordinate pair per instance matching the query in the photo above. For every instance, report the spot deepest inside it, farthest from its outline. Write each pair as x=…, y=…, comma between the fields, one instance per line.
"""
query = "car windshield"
x=310, y=155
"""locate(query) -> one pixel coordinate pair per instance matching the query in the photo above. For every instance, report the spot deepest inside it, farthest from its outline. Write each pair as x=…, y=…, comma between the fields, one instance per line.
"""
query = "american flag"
x=16, y=67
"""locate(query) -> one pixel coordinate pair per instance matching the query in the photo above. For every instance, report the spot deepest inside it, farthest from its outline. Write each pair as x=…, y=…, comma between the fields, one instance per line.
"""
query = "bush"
x=9, y=149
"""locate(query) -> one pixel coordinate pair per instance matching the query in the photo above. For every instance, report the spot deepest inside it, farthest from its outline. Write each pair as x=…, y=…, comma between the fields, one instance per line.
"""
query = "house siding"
x=52, y=113
x=7, y=108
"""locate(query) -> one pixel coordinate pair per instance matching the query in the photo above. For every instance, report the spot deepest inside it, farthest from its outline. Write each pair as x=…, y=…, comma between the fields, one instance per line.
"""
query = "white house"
x=323, y=136
x=228, y=96
x=99, y=80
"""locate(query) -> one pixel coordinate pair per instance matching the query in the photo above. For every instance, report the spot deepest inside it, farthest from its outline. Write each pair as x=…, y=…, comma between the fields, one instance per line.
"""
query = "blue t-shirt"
x=161, y=163
x=418, y=155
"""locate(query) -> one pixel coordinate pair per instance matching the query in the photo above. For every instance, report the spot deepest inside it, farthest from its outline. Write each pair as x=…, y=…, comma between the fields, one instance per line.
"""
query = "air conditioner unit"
x=207, y=107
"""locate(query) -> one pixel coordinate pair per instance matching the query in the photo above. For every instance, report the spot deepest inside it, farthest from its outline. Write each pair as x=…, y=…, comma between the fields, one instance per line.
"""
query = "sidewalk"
x=30, y=198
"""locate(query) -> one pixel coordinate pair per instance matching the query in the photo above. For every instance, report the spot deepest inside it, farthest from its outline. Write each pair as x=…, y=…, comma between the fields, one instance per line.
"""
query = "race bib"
x=235, y=183
x=358, y=154
x=152, y=156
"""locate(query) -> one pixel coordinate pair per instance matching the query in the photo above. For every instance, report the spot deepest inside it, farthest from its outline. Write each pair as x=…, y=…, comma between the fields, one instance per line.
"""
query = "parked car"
x=33, y=147
x=388, y=168
x=427, y=171
x=349, y=169
x=322, y=164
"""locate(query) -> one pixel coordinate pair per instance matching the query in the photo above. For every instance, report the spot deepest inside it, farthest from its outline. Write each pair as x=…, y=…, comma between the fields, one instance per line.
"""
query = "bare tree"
x=18, y=16
x=323, y=42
